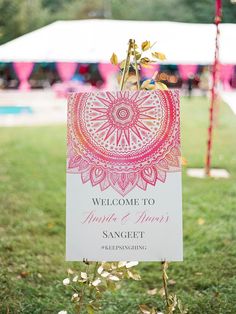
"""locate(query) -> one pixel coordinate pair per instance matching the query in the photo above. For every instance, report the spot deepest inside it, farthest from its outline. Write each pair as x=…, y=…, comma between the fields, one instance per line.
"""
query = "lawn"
x=32, y=224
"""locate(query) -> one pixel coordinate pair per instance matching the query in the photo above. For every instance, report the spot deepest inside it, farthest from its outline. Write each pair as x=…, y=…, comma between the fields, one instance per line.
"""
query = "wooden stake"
x=127, y=63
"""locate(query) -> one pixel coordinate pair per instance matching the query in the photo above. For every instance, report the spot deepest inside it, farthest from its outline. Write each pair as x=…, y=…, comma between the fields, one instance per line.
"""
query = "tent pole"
x=214, y=92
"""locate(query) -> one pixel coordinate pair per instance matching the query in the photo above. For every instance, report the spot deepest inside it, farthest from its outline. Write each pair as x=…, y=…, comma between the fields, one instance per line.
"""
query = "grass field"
x=32, y=224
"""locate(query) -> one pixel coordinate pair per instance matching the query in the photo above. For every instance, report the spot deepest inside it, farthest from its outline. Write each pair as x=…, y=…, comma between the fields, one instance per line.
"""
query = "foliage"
x=134, y=61
x=18, y=17
x=89, y=286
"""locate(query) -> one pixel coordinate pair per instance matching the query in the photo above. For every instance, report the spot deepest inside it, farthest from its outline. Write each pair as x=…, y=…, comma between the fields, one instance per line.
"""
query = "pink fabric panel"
x=226, y=73
x=147, y=73
x=186, y=70
x=66, y=70
x=106, y=70
x=23, y=71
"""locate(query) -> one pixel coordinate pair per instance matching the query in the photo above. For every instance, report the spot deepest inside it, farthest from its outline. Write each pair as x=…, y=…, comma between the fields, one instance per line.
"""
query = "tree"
x=18, y=17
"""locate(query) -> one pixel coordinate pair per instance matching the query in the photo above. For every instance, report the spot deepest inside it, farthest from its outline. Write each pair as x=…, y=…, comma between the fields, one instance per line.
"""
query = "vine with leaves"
x=88, y=285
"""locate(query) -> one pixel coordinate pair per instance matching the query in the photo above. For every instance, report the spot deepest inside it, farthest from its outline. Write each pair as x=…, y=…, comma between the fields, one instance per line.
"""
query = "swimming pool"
x=15, y=110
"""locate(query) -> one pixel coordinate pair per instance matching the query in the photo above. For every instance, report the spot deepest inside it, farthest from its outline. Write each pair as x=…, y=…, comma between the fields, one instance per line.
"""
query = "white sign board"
x=124, y=177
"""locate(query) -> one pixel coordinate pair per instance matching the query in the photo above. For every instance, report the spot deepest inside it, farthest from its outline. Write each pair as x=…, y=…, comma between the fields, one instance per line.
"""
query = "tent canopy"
x=96, y=40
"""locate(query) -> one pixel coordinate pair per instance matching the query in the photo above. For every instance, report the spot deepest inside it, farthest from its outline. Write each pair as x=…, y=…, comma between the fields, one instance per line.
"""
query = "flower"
x=75, y=279
x=131, y=264
x=75, y=297
x=62, y=312
x=66, y=281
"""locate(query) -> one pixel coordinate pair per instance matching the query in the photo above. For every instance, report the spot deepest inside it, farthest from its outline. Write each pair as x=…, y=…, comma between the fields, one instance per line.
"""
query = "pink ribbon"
x=23, y=71
x=66, y=70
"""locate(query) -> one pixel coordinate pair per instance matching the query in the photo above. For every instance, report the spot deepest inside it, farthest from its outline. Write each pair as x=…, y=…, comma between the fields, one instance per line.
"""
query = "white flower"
x=70, y=271
x=121, y=264
x=131, y=264
x=105, y=274
x=96, y=282
x=75, y=279
x=114, y=278
x=84, y=275
x=66, y=281
x=62, y=312
x=75, y=297
x=100, y=270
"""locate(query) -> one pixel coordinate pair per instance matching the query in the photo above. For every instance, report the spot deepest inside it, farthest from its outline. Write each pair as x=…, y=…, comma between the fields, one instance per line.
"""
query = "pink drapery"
x=106, y=70
x=147, y=72
x=23, y=71
x=226, y=73
x=186, y=70
x=66, y=70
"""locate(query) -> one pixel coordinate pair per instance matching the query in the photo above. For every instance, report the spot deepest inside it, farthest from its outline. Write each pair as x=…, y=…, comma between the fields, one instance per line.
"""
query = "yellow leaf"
x=122, y=64
x=70, y=271
x=184, y=161
x=161, y=292
x=144, y=309
x=152, y=291
x=161, y=86
x=134, y=276
x=201, y=221
x=121, y=264
x=171, y=282
x=145, y=60
x=145, y=84
x=159, y=55
x=90, y=309
x=146, y=45
x=132, y=79
x=114, y=59
x=138, y=55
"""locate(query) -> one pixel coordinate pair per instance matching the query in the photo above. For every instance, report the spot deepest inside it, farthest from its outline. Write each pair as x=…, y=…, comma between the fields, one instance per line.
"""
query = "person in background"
x=204, y=81
x=190, y=85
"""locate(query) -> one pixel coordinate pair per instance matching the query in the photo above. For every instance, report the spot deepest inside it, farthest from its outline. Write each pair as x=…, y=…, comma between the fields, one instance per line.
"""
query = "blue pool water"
x=15, y=110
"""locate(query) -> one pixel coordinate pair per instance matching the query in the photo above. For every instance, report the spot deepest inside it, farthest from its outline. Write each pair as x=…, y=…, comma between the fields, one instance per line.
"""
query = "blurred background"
x=72, y=53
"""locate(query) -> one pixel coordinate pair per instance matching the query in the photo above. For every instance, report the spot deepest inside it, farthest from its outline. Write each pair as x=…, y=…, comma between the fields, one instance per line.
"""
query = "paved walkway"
x=230, y=99
x=47, y=108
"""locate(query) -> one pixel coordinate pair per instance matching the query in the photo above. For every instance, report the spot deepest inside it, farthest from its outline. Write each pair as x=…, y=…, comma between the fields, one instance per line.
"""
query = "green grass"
x=32, y=223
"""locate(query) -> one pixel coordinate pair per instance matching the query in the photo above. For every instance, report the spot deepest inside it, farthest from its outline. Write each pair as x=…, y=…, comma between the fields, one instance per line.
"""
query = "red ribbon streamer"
x=214, y=91
x=218, y=11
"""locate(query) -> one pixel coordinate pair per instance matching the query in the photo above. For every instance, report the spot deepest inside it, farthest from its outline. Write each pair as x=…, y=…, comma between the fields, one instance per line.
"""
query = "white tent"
x=95, y=40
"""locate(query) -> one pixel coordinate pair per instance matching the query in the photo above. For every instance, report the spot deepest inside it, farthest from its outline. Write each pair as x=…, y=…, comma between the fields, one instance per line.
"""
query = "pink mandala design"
x=124, y=139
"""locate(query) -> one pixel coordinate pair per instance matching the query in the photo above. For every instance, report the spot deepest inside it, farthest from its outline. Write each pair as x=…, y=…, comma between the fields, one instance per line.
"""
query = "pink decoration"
x=218, y=11
x=226, y=73
x=66, y=70
x=123, y=140
x=147, y=73
x=106, y=70
x=23, y=71
x=186, y=70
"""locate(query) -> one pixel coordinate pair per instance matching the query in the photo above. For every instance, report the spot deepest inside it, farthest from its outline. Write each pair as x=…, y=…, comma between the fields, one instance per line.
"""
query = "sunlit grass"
x=32, y=223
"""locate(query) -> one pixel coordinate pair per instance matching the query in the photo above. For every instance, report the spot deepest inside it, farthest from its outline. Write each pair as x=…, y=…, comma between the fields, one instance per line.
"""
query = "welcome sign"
x=124, y=176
